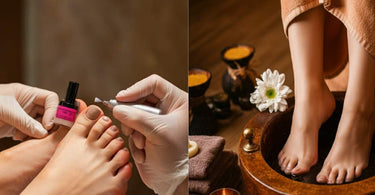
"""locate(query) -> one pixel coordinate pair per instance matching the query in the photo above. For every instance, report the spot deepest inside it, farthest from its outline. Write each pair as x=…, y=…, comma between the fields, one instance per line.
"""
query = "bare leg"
x=89, y=160
x=349, y=154
x=314, y=103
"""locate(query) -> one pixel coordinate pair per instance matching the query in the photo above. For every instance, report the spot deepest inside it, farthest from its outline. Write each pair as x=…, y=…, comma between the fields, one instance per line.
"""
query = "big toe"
x=292, y=163
x=86, y=120
x=322, y=177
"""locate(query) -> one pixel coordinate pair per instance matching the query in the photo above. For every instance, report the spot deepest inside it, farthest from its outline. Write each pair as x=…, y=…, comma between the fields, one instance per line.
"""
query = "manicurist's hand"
x=26, y=111
x=158, y=143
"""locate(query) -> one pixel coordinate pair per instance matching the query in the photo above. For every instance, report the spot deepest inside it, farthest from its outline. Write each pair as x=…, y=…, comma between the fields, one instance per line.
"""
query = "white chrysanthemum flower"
x=270, y=92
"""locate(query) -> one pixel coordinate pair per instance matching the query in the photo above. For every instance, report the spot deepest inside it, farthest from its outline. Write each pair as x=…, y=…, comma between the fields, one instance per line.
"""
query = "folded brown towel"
x=209, y=148
x=225, y=175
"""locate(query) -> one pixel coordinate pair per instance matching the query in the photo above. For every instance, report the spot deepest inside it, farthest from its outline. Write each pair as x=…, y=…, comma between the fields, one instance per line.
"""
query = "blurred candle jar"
x=225, y=191
x=237, y=80
x=202, y=120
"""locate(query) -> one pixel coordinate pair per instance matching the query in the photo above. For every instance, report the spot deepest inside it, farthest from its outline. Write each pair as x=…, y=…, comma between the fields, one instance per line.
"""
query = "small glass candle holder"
x=225, y=191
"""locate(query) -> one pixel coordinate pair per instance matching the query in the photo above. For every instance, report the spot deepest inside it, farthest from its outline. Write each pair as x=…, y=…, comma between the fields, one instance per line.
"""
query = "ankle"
x=364, y=108
x=310, y=90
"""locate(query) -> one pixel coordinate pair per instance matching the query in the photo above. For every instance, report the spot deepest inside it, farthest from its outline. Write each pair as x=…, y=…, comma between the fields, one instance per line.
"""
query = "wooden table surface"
x=217, y=24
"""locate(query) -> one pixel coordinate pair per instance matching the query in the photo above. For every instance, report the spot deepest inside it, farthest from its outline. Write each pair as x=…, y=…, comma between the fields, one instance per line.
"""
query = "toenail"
x=126, y=149
x=113, y=128
x=120, y=139
x=105, y=118
x=93, y=113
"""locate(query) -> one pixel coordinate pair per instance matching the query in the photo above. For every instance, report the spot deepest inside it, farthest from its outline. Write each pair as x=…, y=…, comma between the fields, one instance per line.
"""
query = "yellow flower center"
x=271, y=93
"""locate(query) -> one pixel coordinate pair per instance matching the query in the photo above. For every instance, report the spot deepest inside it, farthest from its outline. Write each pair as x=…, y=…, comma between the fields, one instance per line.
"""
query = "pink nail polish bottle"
x=67, y=110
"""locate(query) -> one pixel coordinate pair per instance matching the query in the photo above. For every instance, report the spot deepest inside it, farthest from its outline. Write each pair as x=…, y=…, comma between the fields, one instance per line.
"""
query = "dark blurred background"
x=106, y=46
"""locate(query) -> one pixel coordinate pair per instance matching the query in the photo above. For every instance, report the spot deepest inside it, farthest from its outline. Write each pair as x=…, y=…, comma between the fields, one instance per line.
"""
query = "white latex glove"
x=24, y=108
x=158, y=143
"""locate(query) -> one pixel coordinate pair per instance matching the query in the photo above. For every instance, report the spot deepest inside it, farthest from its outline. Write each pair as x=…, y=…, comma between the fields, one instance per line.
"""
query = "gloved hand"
x=158, y=143
x=24, y=108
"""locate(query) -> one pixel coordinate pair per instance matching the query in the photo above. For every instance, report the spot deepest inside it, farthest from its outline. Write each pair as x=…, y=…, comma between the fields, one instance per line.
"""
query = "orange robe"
x=356, y=17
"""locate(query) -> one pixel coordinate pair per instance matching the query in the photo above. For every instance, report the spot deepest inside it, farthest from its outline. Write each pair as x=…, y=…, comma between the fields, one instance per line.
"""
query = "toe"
x=108, y=135
x=292, y=163
x=341, y=176
x=285, y=163
x=125, y=172
x=332, y=176
x=113, y=147
x=119, y=160
x=322, y=177
x=85, y=121
x=281, y=161
x=358, y=171
x=98, y=129
x=349, y=175
x=301, y=168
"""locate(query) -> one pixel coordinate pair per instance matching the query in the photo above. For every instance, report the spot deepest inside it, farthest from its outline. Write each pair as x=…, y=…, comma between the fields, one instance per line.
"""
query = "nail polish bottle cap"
x=71, y=95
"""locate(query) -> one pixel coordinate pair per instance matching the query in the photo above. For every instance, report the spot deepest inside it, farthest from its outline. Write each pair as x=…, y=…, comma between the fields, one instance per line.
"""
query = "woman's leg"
x=350, y=151
x=314, y=103
x=89, y=160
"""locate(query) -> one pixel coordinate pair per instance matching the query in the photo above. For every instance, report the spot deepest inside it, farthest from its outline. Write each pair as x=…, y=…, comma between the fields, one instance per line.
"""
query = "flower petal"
x=275, y=106
x=262, y=107
x=281, y=79
x=259, y=82
x=283, y=102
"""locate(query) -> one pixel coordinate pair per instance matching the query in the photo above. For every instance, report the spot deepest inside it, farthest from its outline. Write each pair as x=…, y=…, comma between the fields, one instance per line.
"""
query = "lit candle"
x=225, y=191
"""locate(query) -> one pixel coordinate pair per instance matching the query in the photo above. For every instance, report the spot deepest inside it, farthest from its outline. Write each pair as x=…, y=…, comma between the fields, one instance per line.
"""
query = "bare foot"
x=89, y=160
x=29, y=157
x=350, y=151
x=20, y=164
x=312, y=109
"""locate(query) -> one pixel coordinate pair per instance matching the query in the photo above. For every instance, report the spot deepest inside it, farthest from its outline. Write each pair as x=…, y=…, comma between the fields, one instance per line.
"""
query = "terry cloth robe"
x=357, y=17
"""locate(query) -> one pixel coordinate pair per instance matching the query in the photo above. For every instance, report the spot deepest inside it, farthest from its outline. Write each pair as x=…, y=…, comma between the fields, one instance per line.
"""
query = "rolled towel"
x=225, y=175
x=209, y=148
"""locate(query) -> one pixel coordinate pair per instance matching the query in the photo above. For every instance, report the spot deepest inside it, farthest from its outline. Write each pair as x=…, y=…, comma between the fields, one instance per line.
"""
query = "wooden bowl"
x=260, y=170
